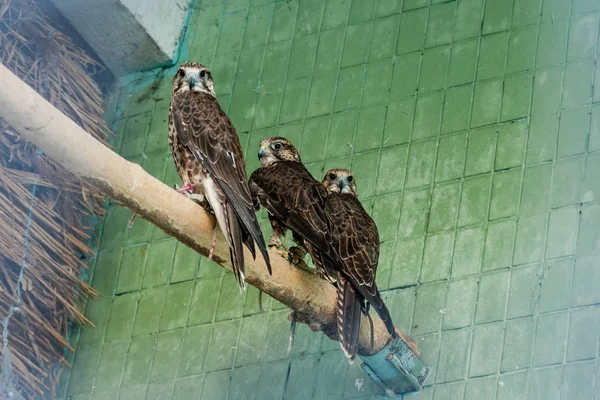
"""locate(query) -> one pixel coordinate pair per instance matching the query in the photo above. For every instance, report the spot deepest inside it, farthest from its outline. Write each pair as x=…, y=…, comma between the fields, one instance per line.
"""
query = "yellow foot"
x=281, y=253
x=296, y=258
x=275, y=242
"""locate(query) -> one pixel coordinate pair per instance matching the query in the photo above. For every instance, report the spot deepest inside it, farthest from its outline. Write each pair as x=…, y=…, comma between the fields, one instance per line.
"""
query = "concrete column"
x=128, y=35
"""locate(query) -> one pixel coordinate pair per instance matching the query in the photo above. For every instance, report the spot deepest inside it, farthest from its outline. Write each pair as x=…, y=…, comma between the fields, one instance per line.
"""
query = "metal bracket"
x=397, y=368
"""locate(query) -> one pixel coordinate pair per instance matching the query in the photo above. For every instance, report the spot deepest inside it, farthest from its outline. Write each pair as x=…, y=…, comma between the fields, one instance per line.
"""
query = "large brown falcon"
x=293, y=198
x=296, y=201
x=355, y=239
x=210, y=162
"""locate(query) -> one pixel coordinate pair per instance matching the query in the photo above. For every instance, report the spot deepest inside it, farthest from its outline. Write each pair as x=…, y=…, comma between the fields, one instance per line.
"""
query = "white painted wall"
x=128, y=35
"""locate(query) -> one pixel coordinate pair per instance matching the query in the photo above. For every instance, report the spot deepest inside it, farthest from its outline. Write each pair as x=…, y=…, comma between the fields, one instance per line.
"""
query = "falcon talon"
x=275, y=242
x=298, y=262
x=185, y=188
x=281, y=253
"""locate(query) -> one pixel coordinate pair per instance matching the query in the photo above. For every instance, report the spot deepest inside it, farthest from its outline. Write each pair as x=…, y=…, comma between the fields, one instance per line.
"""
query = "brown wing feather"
x=288, y=191
x=349, y=307
x=355, y=238
x=209, y=135
x=339, y=235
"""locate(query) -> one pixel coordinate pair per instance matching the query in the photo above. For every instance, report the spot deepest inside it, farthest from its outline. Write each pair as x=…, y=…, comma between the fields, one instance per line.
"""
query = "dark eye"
x=181, y=73
x=202, y=73
x=277, y=146
x=350, y=178
x=331, y=176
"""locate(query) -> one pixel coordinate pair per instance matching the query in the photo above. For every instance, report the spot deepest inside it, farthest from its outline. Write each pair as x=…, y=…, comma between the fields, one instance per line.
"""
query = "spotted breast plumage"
x=209, y=159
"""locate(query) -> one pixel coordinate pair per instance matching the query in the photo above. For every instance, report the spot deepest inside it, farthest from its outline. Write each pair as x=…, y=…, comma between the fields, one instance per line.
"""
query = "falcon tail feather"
x=349, y=307
x=375, y=300
x=373, y=297
x=248, y=221
x=236, y=248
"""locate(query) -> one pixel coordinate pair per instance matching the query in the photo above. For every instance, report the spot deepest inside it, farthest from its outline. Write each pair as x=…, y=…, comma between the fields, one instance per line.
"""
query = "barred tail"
x=349, y=308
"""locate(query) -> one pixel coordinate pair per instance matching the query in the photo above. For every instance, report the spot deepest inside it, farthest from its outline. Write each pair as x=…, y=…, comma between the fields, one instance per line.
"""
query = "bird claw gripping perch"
x=296, y=258
x=277, y=246
x=187, y=188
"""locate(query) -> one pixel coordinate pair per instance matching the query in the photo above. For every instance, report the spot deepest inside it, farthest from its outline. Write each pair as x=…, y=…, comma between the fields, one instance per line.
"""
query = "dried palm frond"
x=43, y=234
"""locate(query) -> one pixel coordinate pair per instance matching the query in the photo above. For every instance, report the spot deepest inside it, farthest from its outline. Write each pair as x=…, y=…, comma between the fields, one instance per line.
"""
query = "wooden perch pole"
x=127, y=183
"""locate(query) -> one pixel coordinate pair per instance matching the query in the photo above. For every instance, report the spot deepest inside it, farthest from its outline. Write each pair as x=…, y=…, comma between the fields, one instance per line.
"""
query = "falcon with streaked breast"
x=209, y=159
x=355, y=239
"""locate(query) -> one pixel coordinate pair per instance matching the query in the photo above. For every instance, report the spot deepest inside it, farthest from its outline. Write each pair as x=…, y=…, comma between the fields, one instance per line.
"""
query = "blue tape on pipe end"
x=397, y=368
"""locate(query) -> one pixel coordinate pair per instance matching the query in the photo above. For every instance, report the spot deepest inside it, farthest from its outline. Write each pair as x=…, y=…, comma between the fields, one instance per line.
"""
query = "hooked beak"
x=261, y=153
x=343, y=183
x=191, y=80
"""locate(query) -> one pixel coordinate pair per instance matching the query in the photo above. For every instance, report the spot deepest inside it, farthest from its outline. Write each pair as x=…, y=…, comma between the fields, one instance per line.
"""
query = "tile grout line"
x=432, y=184
x=519, y=206
x=252, y=129
x=257, y=89
x=302, y=120
x=460, y=181
x=499, y=372
x=484, y=224
x=403, y=190
x=383, y=141
x=595, y=87
x=579, y=205
x=352, y=155
x=535, y=316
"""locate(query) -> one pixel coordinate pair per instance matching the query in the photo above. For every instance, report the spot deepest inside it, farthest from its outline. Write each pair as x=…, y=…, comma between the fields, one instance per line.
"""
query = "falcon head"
x=277, y=149
x=195, y=77
x=340, y=180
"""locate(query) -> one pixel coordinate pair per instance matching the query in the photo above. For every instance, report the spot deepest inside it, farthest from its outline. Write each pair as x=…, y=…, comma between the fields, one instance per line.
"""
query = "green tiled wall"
x=473, y=128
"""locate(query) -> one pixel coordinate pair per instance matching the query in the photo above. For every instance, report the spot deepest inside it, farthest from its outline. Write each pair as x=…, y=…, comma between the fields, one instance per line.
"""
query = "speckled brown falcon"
x=355, y=239
x=293, y=198
x=296, y=201
x=210, y=162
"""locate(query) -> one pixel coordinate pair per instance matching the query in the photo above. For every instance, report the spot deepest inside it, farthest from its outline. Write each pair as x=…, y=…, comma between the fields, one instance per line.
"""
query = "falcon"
x=296, y=201
x=293, y=198
x=209, y=159
x=355, y=240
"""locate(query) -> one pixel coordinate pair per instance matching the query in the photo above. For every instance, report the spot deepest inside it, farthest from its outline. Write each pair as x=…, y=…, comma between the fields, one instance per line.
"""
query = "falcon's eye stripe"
x=181, y=73
x=332, y=176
